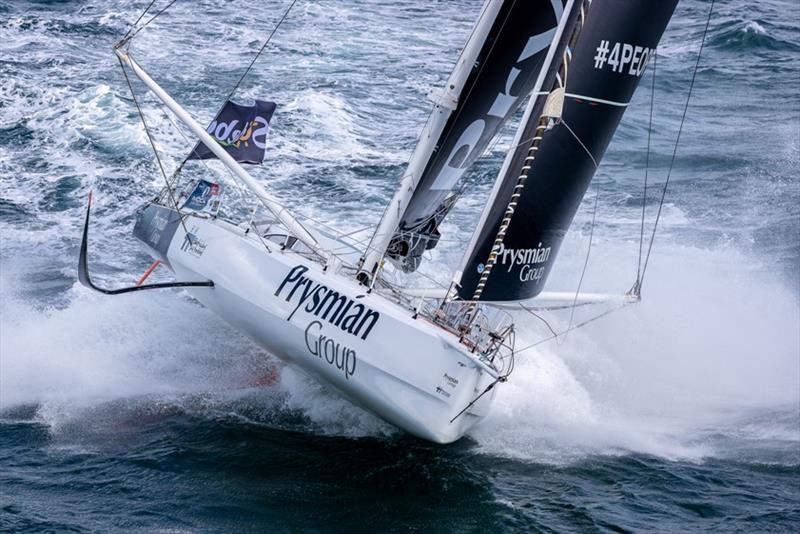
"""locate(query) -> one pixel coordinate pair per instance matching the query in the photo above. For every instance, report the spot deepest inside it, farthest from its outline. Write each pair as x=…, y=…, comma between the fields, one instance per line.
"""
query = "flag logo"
x=241, y=130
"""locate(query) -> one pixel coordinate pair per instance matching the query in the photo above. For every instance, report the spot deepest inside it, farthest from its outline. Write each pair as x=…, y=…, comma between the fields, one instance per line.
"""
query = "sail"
x=558, y=148
x=501, y=77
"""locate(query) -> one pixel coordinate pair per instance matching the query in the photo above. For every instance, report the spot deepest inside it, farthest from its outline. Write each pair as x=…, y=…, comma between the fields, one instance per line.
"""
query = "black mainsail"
x=502, y=75
x=558, y=147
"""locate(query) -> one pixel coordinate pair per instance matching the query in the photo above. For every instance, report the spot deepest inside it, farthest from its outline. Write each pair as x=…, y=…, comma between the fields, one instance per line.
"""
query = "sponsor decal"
x=330, y=350
x=522, y=256
x=231, y=134
x=326, y=304
x=450, y=380
x=192, y=244
x=241, y=130
x=204, y=198
x=622, y=58
x=527, y=259
x=157, y=225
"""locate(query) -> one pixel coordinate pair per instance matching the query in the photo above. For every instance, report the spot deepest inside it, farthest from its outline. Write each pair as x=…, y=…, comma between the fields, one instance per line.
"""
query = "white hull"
x=406, y=370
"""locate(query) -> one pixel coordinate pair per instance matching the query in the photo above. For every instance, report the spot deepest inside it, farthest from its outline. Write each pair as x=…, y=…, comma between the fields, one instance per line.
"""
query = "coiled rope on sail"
x=528, y=163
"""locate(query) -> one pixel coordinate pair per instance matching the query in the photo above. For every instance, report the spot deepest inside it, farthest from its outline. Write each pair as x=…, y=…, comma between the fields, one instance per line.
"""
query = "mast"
x=445, y=103
x=282, y=214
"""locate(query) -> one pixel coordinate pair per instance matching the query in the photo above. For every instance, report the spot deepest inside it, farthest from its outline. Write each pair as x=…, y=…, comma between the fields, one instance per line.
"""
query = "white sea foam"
x=159, y=348
x=329, y=129
x=329, y=413
x=711, y=338
x=754, y=27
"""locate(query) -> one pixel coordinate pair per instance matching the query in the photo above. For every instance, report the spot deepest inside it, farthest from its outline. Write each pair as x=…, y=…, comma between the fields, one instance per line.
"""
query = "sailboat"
x=427, y=360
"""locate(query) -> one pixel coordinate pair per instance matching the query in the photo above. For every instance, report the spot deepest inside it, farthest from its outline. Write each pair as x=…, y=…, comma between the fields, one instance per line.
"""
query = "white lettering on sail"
x=529, y=260
x=260, y=135
x=622, y=55
x=503, y=102
x=222, y=130
x=452, y=171
x=522, y=256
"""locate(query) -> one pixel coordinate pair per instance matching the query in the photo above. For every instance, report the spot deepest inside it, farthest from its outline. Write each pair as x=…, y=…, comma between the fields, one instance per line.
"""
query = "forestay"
x=564, y=135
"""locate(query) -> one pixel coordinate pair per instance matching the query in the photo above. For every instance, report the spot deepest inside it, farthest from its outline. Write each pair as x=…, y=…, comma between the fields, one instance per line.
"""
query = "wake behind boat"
x=426, y=359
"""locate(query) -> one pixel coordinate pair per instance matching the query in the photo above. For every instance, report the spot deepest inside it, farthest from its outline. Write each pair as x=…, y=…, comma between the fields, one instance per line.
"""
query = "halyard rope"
x=520, y=185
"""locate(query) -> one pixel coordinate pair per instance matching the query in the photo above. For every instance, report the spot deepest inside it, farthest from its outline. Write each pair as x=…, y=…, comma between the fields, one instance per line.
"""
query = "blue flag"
x=242, y=130
x=205, y=197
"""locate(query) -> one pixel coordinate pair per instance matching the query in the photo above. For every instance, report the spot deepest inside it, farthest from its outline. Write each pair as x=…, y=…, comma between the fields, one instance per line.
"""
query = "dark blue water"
x=148, y=413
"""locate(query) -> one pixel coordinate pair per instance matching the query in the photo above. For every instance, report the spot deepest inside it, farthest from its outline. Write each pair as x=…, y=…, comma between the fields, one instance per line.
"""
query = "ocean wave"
x=742, y=35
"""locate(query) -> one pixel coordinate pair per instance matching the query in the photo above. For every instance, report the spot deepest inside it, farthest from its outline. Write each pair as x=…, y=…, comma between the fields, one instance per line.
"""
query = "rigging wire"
x=141, y=15
x=135, y=30
x=675, y=148
x=152, y=143
x=542, y=125
x=212, y=173
x=571, y=328
x=586, y=260
x=637, y=287
x=261, y=50
x=473, y=177
x=242, y=77
x=591, y=228
x=127, y=34
x=542, y=319
x=637, y=284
